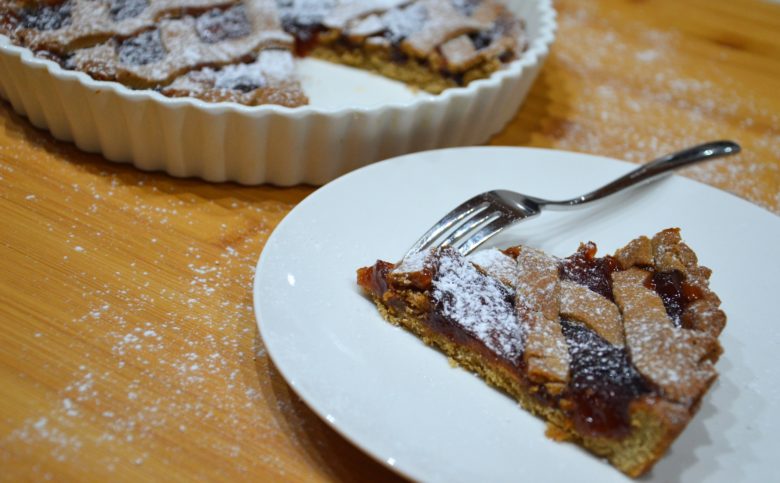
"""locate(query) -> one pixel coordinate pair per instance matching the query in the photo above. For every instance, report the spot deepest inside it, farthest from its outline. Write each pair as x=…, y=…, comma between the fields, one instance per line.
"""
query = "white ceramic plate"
x=402, y=402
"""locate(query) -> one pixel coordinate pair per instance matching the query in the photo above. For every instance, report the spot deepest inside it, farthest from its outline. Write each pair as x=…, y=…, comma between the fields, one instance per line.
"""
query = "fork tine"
x=470, y=207
x=481, y=218
x=485, y=233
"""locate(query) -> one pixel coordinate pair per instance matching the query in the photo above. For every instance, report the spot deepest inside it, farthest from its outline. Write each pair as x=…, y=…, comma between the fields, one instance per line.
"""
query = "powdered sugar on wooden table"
x=164, y=339
x=644, y=99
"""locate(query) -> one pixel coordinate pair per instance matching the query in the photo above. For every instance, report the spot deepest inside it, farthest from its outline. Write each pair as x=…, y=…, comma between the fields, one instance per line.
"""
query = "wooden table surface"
x=128, y=345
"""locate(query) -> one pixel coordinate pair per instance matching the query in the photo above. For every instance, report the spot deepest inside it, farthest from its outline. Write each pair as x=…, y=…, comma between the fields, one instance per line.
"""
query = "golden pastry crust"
x=537, y=302
x=592, y=309
x=637, y=253
x=264, y=81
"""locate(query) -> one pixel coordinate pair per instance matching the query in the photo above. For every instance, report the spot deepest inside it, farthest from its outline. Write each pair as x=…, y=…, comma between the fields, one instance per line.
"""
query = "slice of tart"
x=614, y=352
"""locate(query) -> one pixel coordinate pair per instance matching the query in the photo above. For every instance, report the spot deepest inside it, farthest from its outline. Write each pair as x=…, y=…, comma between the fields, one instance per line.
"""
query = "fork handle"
x=653, y=170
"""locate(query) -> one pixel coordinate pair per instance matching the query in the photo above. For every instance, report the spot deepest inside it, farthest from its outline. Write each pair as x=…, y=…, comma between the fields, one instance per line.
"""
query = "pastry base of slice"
x=657, y=423
x=413, y=72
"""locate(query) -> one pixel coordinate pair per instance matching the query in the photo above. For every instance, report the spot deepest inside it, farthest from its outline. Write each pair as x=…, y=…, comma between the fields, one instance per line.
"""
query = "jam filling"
x=217, y=25
x=124, y=9
x=466, y=7
x=675, y=293
x=145, y=48
x=307, y=37
x=481, y=39
x=304, y=25
x=374, y=279
x=603, y=383
x=586, y=269
x=47, y=17
x=242, y=83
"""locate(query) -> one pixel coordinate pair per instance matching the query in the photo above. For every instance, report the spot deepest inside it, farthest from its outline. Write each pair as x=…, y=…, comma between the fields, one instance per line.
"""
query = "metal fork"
x=476, y=220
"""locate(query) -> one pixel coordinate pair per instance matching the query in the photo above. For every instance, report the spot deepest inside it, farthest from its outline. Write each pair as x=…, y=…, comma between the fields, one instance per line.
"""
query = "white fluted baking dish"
x=271, y=144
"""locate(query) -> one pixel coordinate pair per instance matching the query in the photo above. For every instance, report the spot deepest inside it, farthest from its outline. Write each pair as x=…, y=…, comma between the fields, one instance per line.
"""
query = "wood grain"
x=128, y=347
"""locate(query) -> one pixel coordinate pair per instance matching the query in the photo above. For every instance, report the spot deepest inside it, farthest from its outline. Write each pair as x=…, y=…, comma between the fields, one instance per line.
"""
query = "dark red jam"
x=306, y=39
x=124, y=9
x=305, y=28
x=603, y=383
x=144, y=48
x=585, y=269
x=239, y=82
x=466, y=7
x=675, y=293
x=374, y=279
x=47, y=17
x=217, y=25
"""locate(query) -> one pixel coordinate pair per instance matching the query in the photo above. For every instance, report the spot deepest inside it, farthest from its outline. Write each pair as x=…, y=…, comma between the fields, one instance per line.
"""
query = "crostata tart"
x=243, y=50
x=614, y=352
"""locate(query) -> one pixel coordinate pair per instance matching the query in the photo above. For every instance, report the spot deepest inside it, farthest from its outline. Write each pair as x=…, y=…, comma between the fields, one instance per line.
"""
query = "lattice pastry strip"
x=217, y=38
x=349, y=11
x=443, y=22
x=465, y=51
x=537, y=301
x=267, y=80
x=75, y=24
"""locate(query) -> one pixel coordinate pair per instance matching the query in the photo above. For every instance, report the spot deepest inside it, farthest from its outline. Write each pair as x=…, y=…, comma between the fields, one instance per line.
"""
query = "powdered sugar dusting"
x=153, y=336
x=603, y=374
x=537, y=283
x=479, y=304
x=597, y=312
x=272, y=66
x=305, y=12
x=635, y=95
x=679, y=373
x=672, y=358
x=347, y=11
x=398, y=23
x=414, y=262
x=496, y=264
x=537, y=301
